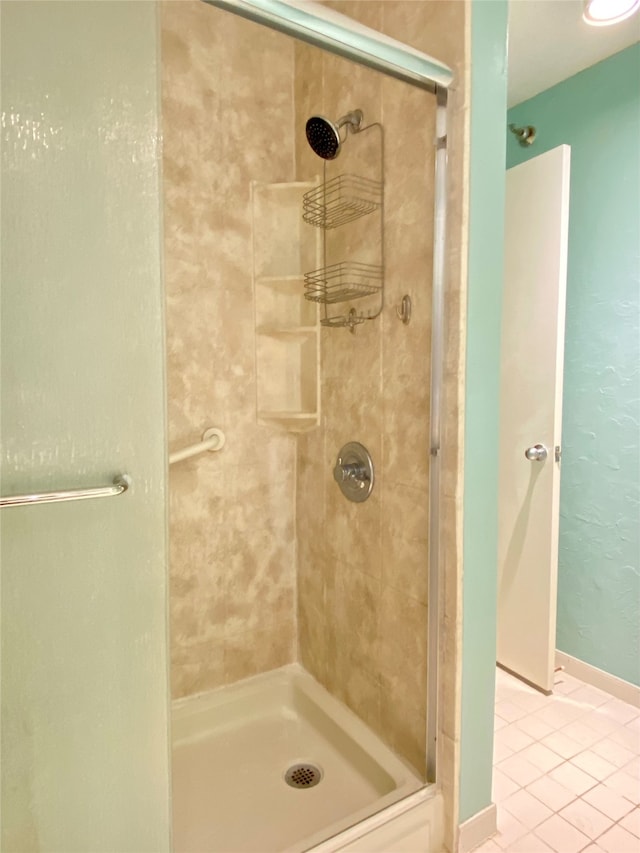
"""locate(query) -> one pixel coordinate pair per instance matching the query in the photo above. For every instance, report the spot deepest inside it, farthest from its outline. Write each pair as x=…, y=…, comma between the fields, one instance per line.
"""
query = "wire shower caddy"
x=336, y=202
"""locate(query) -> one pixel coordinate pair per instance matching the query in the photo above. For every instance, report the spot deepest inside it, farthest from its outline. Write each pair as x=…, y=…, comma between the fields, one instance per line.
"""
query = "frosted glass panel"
x=84, y=657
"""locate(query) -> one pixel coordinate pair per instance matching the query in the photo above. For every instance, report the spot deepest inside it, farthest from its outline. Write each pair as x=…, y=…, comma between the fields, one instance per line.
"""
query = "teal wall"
x=597, y=113
x=486, y=238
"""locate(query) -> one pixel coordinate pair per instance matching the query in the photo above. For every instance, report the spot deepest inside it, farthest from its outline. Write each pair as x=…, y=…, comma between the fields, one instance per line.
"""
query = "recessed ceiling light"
x=603, y=13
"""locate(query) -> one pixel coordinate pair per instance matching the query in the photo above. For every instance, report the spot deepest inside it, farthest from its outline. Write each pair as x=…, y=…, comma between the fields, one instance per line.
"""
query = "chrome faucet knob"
x=353, y=472
x=349, y=471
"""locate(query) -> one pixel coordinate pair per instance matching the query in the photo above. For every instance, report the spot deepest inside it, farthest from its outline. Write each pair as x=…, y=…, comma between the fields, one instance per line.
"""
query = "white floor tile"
x=593, y=764
x=631, y=822
x=520, y=770
x=530, y=844
x=535, y=728
x=625, y=785
x=633, y=767
x=561, y=836
x=542, y=757
x=618, y=711
x=612, y=752
x=509, y=711
x=551, y=793
x=627, y=736
x=584, y=735
x=590, y=696
x=608, y=801
x=618, y=840
x=532, y=700
x=558, y=714
x=563, y=744
x=512, y=691
x=575, y=753
x=572, y=778
x=514, y=738
x=509, y=829
x=503, y=787
x=499, y=723
x=601, y=724
x=503, y=677
x=527, y=809
x=565, y=684
x=489, y=846
x=634, y=725
x=502, y=751
x=586, y=818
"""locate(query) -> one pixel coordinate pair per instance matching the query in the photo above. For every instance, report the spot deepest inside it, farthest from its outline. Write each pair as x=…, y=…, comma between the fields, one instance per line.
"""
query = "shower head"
x=324, y=136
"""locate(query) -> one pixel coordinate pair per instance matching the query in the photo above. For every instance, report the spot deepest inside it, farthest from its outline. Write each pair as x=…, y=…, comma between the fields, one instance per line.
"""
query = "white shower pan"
x=233, y=746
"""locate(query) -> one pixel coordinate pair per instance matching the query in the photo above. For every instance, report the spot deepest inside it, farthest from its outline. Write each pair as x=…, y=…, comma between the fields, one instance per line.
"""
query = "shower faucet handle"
x=353, y=472
x=350, y=471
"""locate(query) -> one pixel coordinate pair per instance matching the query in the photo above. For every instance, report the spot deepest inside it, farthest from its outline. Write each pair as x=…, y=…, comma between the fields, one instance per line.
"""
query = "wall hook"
x=404, y=311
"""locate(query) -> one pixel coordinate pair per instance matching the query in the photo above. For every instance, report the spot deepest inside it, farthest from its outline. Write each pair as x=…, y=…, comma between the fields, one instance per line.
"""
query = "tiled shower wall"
x=227, y=110
x=362, y=568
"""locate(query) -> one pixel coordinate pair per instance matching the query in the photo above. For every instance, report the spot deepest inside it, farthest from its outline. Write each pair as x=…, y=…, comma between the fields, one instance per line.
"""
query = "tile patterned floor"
x=566, y=770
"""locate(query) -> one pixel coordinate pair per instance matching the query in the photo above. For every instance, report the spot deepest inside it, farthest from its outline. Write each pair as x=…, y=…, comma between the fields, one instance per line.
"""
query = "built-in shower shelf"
x=287, y=330
x=341, y=200
x=342, y=282
x=290, y=421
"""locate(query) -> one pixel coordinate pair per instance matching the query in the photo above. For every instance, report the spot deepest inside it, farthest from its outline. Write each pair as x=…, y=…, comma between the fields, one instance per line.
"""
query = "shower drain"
x=303, y=775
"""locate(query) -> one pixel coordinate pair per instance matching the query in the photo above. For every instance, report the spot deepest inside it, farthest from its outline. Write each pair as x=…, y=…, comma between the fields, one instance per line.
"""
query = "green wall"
x=597, y=112
x=486, y=239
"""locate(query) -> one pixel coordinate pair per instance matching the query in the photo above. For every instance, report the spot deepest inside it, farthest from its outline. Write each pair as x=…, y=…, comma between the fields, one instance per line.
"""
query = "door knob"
x=537, y=453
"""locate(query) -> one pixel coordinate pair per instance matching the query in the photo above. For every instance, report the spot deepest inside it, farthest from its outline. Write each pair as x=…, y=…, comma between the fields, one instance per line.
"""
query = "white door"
x=536, y=232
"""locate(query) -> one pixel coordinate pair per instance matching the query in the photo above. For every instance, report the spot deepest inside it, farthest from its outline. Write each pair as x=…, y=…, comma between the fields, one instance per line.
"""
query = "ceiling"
x=549, y=42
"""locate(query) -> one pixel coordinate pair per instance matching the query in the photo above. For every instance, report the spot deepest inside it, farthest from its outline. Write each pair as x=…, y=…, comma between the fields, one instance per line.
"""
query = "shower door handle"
x=537, y=453
x=119, y=486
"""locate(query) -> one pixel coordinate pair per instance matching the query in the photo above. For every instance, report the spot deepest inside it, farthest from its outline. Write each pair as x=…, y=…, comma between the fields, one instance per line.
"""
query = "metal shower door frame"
x=434, y=604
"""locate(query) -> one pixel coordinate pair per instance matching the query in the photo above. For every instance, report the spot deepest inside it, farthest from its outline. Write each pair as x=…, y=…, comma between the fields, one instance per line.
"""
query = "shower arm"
x=351, y=121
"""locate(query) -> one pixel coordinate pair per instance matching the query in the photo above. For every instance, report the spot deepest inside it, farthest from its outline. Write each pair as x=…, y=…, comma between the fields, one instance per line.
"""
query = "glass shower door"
x=84, y=654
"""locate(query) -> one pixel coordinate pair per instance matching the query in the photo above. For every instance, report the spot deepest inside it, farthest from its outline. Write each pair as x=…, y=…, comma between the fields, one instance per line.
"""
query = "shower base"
x=232, y=748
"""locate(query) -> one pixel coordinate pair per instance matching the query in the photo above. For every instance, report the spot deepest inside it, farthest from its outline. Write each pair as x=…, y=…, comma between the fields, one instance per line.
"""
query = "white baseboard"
x=473, y=832
x=599, y=678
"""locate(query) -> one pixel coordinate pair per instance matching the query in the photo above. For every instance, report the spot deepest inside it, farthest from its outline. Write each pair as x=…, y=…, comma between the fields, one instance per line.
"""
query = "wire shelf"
x=341, y=200
x=342, y=282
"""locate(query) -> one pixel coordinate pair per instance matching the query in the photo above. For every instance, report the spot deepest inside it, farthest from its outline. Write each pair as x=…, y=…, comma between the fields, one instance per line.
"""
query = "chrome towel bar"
x=120, y=485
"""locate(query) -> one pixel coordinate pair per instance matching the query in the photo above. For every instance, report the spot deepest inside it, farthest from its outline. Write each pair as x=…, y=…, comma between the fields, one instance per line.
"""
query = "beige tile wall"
x=362, y=568
x=227, y=107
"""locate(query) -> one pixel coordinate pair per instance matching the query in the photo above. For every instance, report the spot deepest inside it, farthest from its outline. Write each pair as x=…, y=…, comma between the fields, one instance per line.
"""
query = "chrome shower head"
x=324, y=136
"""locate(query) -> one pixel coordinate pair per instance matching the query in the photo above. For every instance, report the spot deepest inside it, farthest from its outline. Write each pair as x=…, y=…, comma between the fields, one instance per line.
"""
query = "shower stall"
x=303, y=583
x=312, y=318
